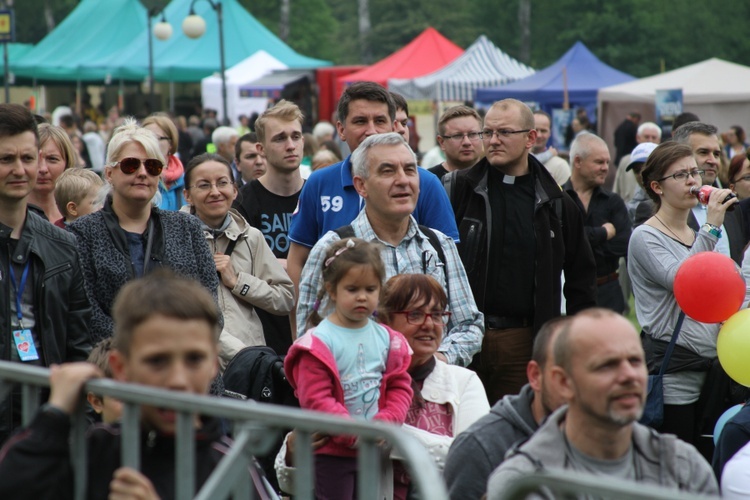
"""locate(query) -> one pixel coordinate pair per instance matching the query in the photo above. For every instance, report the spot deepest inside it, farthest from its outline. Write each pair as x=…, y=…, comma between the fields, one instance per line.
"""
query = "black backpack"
x=257, y=373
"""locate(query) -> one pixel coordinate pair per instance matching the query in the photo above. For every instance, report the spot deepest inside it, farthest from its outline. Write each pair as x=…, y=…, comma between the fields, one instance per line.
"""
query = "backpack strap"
x=345, y=231
x=230, y=248
x=435, y=242
x=449, y=184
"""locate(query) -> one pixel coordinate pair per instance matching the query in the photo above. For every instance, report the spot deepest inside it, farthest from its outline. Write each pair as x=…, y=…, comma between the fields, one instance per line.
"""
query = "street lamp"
x=162, y=31
x=194, y=26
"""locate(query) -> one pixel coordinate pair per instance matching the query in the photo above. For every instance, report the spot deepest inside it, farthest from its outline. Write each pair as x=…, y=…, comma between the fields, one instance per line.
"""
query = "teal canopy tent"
x=93, y=29
x=181, y=59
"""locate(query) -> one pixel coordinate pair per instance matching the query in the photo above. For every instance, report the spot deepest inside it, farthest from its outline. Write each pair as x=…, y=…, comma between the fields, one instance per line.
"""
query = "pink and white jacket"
x=311, y=370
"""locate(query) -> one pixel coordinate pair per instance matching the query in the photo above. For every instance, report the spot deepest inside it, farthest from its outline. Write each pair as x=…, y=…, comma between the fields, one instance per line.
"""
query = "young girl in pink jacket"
x=348, y=364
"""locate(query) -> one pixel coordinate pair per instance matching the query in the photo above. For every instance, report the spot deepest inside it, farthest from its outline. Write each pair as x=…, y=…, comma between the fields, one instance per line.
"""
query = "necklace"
x=670, y=230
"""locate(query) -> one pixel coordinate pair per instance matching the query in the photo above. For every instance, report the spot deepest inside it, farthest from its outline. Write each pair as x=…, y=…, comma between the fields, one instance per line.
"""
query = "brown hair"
x=59, y=136
x=367, y=91
x=165, y=123
x=659, y=161
x=735, y=166
x=161, y=292
x=457, y=112
x=527, y=117
x=283, y=110
x=99, y=356
x=404, y=289
x=74, y=185
x=341, y=256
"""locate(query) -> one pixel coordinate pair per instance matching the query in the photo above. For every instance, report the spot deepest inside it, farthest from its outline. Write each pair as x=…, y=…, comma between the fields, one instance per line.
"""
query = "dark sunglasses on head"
x=130, y=166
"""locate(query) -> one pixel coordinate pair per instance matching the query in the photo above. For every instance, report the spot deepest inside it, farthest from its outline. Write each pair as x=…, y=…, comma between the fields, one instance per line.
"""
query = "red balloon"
x=709, y=287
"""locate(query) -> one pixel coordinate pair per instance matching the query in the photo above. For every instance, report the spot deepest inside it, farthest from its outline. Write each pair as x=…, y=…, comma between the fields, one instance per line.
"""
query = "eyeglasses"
x=745, y=178
x=206, y=186
x=418, y=317
x=130, y=166
x=473, y=137
x=683, y=175
x=488, y=134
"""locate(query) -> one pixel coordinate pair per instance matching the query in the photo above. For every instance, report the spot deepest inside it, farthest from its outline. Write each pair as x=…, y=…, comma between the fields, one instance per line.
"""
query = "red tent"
x=428, y=52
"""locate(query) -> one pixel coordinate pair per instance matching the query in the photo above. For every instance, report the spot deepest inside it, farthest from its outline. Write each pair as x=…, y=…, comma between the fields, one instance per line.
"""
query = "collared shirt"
x=466, y=327
x=604, y=207
x=722, y=246
x=329, y=201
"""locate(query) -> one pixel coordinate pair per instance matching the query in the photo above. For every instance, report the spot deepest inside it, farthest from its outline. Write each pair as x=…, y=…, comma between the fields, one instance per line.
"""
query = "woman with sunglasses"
x=447, y=398
x=657, y=249
x=251, y=276
x=130, y=237
x=56, y=155
x=172, y=176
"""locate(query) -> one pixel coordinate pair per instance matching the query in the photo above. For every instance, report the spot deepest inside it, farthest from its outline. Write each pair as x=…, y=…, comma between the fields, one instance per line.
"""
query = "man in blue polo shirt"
x=329, y=201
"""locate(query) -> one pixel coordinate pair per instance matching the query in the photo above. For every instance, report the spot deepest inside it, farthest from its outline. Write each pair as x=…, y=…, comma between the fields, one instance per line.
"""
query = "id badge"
x=25, y=345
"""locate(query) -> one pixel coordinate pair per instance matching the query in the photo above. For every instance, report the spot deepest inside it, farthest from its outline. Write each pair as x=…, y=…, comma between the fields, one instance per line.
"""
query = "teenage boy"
x=167, y=341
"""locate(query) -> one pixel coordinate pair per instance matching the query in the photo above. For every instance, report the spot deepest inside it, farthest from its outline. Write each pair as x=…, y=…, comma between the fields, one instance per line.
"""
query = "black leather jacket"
x=561, y=244
x=61, y=308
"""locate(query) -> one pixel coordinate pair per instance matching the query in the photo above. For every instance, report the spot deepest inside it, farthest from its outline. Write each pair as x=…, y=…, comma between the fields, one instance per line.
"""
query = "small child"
x=77, y=193
x=108, y=408
x=349, y=365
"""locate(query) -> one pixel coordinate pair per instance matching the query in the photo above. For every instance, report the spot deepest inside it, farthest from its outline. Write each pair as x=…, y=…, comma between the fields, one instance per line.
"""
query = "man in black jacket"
x=518, y=232
x=45, y=311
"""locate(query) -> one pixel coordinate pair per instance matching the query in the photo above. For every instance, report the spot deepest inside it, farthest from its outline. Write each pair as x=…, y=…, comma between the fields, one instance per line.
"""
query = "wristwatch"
x=712, y=229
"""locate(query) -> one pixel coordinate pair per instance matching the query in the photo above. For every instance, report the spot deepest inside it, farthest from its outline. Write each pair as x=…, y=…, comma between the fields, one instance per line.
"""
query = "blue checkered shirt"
x=466, y=326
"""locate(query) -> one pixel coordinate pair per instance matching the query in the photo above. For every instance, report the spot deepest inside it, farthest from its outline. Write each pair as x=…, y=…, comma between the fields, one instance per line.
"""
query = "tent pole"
x=7, y=72
x=78, y=97
x=121, y=96
x=220, y=17
x=171, y=97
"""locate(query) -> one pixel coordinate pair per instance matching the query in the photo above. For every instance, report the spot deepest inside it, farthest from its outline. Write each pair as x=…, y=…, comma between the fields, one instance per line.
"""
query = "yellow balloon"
x=733, y=347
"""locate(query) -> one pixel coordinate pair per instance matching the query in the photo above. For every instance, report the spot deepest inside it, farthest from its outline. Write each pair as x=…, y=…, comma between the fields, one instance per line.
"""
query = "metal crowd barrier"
x=256, y=428
x=569, y=484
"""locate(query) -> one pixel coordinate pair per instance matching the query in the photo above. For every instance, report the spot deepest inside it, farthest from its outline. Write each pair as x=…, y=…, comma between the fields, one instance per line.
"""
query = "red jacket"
x=311, y=370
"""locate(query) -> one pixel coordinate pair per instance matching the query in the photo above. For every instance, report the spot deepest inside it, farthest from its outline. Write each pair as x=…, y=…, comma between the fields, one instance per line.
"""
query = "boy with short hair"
x=107, y=408
x=77, y=193
x=166, y=332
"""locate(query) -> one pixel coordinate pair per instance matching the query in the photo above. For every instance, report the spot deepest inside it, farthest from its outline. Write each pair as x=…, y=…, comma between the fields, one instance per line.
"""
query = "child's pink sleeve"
x=315, y=391
x=396, y=399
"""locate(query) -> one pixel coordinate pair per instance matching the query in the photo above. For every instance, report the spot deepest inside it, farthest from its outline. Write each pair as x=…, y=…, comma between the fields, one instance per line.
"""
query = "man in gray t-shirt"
x=601, y=371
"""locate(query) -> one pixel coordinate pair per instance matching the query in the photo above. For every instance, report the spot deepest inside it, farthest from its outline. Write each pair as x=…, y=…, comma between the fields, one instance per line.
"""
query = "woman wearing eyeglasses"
x=251, y=276
x=130, y=237
x=447, y=398
x=657, y=249
x=172, y=176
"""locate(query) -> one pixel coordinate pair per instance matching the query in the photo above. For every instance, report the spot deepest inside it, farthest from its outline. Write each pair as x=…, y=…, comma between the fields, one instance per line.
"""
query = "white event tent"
x=482, y=65
x=256, y=66
x=717, y=91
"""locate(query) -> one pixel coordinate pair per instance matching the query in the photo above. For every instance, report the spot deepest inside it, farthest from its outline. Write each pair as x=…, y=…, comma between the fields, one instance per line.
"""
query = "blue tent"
x=181, y=59
x=585, y=75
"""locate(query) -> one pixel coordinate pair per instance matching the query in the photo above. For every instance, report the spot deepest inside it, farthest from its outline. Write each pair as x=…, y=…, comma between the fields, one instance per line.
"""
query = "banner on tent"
x=561, y=118
x=668, y=107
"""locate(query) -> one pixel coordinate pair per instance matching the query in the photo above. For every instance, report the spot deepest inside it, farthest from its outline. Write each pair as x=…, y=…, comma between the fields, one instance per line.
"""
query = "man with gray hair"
x=605, y=216
x=224, y=139
x=703, y=138
x=626, y=182
x=600, y=369
x=386, y=176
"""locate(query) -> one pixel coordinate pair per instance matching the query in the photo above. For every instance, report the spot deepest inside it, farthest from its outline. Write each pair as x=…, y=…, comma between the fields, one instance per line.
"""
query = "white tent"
x=717, y=91
x=482, y=65
x=257, y=65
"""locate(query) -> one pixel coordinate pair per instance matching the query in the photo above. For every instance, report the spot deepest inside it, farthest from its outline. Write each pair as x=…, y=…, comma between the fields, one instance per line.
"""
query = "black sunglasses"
x=131, y=165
